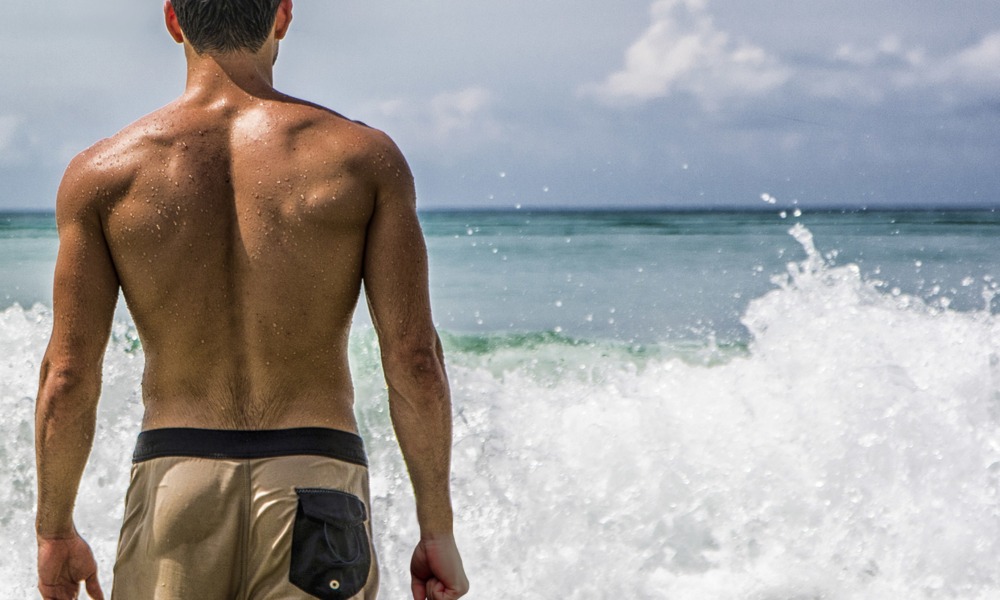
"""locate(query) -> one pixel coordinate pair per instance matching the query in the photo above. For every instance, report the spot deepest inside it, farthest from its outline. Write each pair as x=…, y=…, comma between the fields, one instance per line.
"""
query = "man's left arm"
x=84, y=295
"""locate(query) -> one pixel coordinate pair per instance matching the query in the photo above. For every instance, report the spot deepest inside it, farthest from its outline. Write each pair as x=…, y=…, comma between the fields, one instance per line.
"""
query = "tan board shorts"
x=247, y=515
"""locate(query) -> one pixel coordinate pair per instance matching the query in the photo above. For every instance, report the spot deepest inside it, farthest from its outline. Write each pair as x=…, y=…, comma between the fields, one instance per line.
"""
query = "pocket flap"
x=331, y=506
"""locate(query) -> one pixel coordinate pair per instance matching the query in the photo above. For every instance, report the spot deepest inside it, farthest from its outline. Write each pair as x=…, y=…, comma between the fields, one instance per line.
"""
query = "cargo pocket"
x=331, y=554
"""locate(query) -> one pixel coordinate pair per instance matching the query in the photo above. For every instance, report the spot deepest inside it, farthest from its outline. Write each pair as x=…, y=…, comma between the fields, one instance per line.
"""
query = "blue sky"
x=589, y=103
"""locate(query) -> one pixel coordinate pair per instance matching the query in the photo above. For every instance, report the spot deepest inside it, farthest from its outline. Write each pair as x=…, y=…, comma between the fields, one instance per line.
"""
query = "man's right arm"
x=84, y=296
x=396, y=286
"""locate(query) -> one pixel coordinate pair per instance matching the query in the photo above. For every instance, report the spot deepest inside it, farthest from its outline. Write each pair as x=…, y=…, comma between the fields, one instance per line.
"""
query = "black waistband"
x=268, y=443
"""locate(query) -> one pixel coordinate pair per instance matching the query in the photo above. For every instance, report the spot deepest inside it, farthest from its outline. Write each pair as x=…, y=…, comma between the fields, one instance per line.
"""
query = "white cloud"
x=461, y=111
x=683, y=51
x=10, y=126
x=890, y=49
x=865, y=74
x=977, y=64
x=871, y=74
x=448, y=118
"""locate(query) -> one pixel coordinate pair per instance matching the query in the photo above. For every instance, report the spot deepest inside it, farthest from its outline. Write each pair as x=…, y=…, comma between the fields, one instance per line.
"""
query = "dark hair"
x=226, y=25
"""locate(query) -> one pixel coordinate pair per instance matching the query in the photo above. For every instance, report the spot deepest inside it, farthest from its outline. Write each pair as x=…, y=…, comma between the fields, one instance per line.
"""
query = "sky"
x=569, y=103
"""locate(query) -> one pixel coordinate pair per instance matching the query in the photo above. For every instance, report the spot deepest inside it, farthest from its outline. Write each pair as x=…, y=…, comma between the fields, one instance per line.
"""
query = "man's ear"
x=282, y=19
x=173, y=27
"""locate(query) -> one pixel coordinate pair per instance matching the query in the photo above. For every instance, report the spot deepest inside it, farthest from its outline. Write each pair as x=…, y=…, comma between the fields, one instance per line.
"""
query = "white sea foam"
x=850, y=452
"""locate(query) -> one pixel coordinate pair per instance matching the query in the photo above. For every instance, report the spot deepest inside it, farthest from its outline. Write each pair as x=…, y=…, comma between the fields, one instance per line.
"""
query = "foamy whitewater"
x=839, y=439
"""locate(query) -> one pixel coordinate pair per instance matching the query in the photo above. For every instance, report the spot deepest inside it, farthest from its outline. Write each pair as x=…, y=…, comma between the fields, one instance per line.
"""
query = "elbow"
x=64, y=386
x=417, y=368
x=63, y=375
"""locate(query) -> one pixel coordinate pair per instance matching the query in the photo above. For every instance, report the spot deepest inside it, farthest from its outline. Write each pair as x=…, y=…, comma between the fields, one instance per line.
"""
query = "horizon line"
x=830, y=208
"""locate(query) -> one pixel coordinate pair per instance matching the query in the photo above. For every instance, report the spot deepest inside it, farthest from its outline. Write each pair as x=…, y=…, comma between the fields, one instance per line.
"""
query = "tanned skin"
x=240, y=225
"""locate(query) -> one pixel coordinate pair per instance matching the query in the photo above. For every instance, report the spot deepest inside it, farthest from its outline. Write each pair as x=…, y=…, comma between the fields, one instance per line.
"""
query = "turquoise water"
x=648, y=405
x=647, y=276
x=631, y=276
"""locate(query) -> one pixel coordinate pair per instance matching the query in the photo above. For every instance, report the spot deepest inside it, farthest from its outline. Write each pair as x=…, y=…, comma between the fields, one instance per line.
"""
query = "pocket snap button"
x=334, y=584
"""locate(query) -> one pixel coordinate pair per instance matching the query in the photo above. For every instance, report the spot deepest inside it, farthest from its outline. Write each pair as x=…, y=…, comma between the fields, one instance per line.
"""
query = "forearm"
x=65, y=420
x=420, y=406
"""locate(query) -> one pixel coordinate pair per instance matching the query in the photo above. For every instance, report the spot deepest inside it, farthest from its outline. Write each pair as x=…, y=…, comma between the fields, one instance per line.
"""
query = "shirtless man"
x=240, y=225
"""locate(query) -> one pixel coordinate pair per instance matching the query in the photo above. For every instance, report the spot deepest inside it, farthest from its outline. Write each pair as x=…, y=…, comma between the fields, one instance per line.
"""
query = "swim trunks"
x=247, y=515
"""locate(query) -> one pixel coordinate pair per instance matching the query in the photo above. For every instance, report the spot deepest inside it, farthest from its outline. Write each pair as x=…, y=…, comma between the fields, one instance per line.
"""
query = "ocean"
x=648, y=405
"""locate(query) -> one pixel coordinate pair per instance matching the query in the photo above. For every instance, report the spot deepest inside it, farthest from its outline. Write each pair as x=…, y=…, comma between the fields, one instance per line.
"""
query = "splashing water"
x=852, y=451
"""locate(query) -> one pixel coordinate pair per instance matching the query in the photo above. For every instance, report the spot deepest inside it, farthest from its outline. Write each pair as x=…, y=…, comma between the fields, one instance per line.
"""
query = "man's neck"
x=215, y=75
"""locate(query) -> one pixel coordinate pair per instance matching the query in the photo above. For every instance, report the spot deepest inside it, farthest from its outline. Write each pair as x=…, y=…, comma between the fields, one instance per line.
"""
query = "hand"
x=436, y=570
x=62, y=564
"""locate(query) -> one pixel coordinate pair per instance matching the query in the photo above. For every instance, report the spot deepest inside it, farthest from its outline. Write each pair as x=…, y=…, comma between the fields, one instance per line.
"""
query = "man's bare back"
x=239, y=240
x=240, y=225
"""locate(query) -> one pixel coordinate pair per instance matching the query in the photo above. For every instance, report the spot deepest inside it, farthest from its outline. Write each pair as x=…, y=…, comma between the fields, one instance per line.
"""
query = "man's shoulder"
x=375, y=151
x=108, y=167
x=366, y=151
x=360, y=137
x=117, y=157
x=103, y=171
